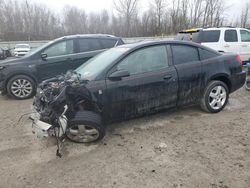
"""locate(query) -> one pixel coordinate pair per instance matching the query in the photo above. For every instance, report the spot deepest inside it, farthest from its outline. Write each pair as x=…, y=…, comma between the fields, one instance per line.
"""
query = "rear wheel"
x=21, y=87
x=215, y=97
x=85, y=127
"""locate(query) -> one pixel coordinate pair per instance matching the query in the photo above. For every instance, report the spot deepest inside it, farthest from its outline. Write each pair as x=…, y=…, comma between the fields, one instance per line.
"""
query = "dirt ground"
x=184, y=148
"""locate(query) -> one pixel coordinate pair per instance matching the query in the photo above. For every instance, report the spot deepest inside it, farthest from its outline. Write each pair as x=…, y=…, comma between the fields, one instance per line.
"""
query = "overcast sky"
x=233, y=11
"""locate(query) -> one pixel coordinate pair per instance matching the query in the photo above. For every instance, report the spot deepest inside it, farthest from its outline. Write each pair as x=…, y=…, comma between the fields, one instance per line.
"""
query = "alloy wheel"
x=217, y=97
x=21, y=88
x=83, y=133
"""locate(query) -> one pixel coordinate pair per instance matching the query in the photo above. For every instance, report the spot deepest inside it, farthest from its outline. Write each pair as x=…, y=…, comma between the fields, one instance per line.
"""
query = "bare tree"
x=127, y=10
x=158, y=7
x=245, y=15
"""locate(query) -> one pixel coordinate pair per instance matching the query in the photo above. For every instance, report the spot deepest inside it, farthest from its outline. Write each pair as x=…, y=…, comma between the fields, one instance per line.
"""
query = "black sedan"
x=136, y=79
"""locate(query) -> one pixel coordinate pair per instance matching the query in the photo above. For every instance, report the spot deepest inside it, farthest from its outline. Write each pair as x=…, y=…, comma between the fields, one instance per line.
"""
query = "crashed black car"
x=133, y=80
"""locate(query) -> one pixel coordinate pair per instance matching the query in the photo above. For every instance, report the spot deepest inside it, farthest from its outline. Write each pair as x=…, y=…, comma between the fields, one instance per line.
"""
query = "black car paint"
x=174, y=86
x=41, y=69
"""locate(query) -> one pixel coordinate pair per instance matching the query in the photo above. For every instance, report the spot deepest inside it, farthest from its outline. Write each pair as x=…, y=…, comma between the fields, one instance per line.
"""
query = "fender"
x=221, y=77
x=26, y=72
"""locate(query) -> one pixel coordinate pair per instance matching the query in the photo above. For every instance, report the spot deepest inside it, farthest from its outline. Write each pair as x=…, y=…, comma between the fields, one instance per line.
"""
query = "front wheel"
x=85, y=127
x=21, y=87
x=215, y=97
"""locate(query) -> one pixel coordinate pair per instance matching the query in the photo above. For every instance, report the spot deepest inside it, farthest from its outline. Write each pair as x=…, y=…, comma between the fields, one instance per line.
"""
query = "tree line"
x=23, y=20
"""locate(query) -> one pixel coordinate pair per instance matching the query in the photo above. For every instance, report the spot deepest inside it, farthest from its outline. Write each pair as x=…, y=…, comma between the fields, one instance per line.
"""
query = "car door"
x=152, y=84
x=187, y=63
x=245, y=44
x=57, y=59
x=231, y=41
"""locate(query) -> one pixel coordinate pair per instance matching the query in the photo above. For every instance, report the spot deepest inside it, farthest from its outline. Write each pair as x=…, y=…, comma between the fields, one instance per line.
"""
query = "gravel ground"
x=184, y=148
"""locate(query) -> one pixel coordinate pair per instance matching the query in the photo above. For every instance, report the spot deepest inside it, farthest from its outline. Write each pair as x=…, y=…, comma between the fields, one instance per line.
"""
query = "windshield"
x=22, y=46
x=96, y=65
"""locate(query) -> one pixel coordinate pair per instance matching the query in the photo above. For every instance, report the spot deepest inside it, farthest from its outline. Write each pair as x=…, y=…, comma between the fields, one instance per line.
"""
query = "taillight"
x=238, y=59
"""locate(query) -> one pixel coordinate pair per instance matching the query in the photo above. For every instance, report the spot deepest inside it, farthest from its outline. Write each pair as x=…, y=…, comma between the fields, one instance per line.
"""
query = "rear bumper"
x=238, y=81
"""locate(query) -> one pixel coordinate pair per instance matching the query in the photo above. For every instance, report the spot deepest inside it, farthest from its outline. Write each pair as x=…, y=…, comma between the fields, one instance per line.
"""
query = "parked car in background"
x=221, y=39
x=7, y=52
x=21, y=50
x=133, y=80
x=19, y=77
x=2, y=54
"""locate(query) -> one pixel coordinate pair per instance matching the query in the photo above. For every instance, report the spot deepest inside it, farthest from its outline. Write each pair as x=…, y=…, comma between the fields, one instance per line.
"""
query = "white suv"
x=222, y=39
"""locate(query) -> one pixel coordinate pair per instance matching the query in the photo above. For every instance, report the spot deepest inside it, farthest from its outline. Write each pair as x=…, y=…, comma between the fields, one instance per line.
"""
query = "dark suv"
x=19, y=77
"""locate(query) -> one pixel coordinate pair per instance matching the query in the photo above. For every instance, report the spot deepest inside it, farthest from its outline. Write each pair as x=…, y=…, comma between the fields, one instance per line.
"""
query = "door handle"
x=226, y=46
x=167, y=77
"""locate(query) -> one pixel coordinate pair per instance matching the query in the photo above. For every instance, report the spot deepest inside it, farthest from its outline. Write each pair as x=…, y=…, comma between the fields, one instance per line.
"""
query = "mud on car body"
x=133, y=80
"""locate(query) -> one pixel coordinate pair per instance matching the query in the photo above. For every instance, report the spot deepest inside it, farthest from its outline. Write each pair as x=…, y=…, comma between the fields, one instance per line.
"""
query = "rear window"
x=108, y=43
x=184, y=54
x=86, y=45
x=206, y=54
x=209, y=36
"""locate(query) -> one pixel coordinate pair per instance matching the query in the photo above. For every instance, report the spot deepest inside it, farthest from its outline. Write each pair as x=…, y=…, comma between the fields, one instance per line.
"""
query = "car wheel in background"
x=247, y=84
x=21, y=87
x=215, y=97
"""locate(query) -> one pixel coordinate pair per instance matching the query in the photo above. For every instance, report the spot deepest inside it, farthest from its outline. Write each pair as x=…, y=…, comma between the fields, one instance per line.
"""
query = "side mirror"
x=44, y=56
x=118, y=75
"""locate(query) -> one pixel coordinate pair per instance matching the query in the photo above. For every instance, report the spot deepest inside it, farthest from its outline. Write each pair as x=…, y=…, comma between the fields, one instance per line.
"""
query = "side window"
x=108, y=43
x=245, y=36
x=209, y=36
x=205, y=54
x=86, y=45
x=231, y=36
x=145, y=60
x=60, y=48
x=184, y=54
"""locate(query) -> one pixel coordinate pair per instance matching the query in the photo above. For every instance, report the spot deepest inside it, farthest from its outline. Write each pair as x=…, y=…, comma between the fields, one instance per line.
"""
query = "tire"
x=247, y=86
x=21, y=87
x=215, y=97
x=85, y=127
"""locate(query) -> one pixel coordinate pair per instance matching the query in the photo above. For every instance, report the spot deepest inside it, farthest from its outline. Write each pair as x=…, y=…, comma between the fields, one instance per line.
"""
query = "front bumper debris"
x=40, y=128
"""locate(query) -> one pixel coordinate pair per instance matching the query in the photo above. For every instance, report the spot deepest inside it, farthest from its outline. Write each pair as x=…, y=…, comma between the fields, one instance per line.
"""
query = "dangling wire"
x=21, y=117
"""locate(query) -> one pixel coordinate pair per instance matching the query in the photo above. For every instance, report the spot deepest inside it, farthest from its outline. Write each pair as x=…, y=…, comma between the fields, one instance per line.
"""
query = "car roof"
x=194, y=30
x=22, y=44
x=150, y=43
x=142, y=44
x=87, y=36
